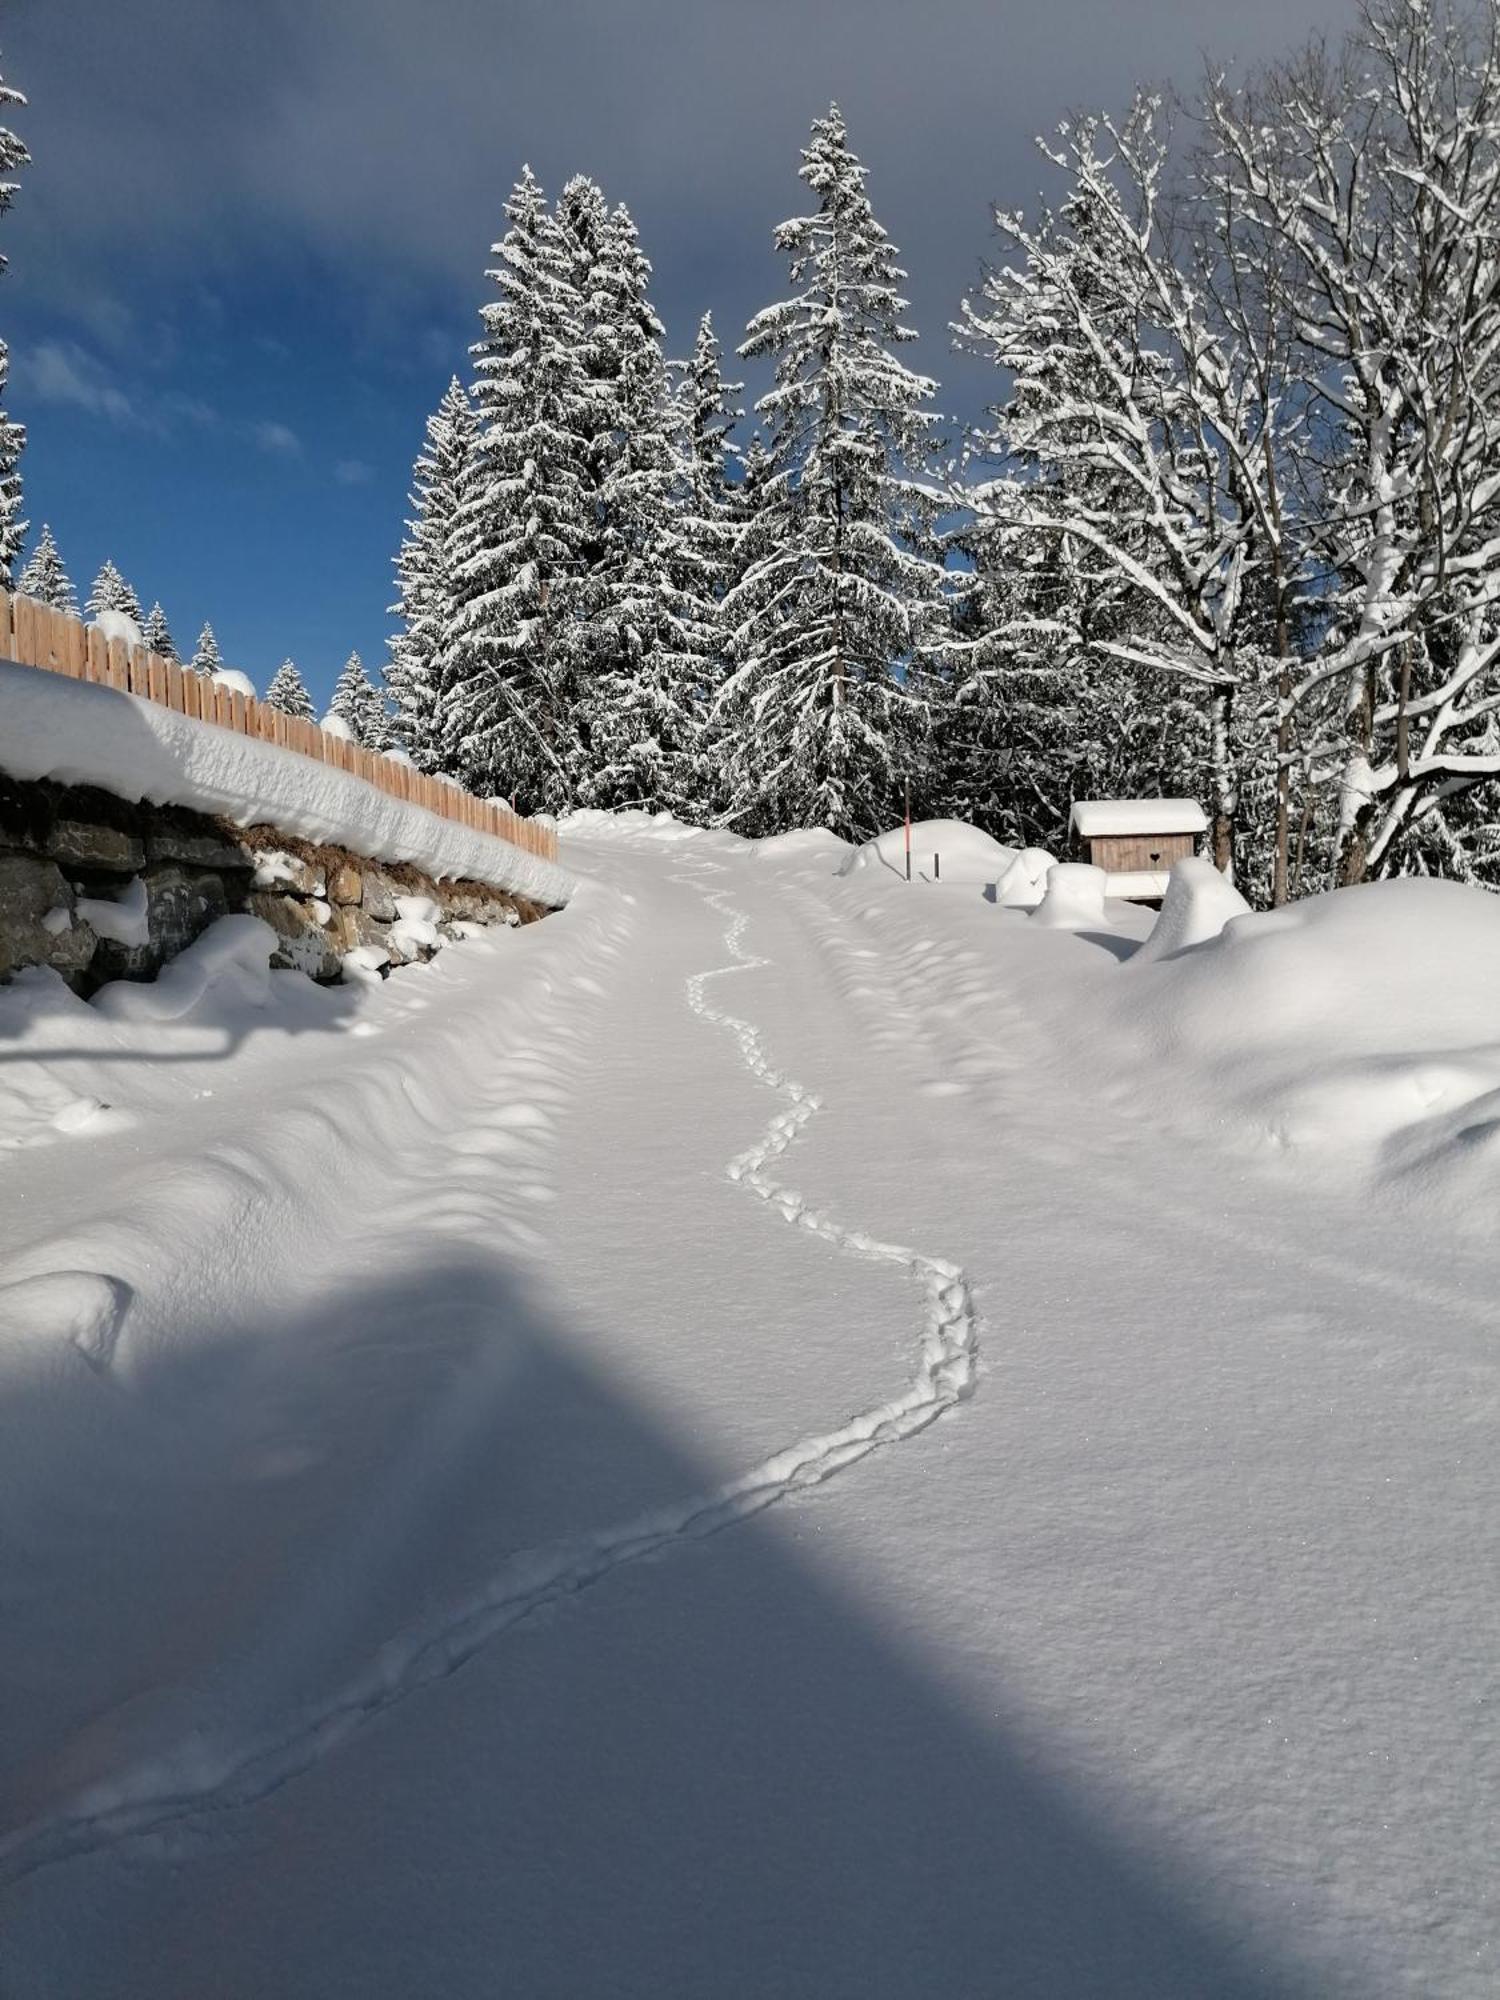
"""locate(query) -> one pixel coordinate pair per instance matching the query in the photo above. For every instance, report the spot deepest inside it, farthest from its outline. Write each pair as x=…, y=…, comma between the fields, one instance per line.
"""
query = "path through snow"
x=389, y=1335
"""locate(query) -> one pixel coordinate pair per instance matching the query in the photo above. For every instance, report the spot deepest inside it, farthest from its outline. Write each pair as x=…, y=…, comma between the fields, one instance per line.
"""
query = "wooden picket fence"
x=35, y=636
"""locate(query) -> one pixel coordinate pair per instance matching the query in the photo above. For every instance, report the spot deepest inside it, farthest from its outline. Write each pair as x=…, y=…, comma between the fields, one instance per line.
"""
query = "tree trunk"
x=1225, y=790
x=1354, y=802
x=1279, y=883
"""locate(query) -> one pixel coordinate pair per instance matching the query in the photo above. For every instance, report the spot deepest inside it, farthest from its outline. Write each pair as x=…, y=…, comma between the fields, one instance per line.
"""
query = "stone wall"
x=101, y=889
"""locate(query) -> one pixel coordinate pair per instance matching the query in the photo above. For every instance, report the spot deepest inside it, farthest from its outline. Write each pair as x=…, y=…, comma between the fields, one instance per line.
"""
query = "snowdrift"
x=1074, y=900
x=1364, y=1018
x=963, y=854
x=809, y=844
x=1198, y=904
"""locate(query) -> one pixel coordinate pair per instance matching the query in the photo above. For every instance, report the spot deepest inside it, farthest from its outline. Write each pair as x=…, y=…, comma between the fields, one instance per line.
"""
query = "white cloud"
x=60, y=371
x=353, y=472
x=277, y=439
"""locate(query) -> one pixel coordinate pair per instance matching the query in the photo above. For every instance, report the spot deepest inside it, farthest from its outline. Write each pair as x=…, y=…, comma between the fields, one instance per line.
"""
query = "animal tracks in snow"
x=200, y=1773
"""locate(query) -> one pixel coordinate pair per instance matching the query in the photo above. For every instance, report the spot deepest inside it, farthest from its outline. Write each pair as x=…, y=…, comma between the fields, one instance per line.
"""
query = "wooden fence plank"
x=25, y=620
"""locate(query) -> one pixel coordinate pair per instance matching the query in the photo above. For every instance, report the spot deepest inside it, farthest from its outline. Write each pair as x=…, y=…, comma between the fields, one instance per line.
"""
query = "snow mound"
x=1024, y=882
x=335, y=725
x=126, y=920
x=41, y=1315
x=1074, y=900
x=235, y=681
x=229, y=967
x=810, y=843
x=1360, y=1019
x=947, y=850
x=1197, y=906
x=416, y=927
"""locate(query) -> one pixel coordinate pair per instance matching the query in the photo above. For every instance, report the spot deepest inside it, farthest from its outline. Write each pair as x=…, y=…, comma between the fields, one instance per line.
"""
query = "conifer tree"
x=207, y=659
x=45, y=578
x=156, y=634
x=638, y=701
x=288, y=692
x=509, y=707
x=427, y=655
x=13, y=156
x=820, y=622
x=707, y=414
x=357, y=703
x=112, y=593
x=709, y=542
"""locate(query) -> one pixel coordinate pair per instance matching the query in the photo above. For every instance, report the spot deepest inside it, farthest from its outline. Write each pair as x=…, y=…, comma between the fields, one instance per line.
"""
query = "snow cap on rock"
x=1074, y=900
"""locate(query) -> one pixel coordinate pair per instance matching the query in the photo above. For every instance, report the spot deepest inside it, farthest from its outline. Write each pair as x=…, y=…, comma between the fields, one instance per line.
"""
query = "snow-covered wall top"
x=83, y=734
x=1098, y=819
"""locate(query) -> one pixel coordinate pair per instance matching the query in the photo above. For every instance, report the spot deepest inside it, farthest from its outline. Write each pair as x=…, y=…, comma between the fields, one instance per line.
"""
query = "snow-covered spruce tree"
x=156, y=634
x=761, y=508
x=207, y=659
x=13, y=156
x=288, y=692
x=708, y=532
x=822, y=625
x=45, y=578
x=356, y=702
x=426, y=654
x=509, y=713
x=112, y=593
x=639, y=717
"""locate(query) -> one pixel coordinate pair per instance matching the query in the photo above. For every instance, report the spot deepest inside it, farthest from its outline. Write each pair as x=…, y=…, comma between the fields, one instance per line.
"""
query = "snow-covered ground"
x=780, y=1432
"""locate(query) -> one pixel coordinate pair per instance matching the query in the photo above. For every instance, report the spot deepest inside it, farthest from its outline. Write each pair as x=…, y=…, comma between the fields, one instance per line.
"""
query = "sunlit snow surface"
x=777, y=1432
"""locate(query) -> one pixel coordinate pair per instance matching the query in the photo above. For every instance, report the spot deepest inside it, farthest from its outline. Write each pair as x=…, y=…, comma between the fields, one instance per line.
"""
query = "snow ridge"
x=198, y=1775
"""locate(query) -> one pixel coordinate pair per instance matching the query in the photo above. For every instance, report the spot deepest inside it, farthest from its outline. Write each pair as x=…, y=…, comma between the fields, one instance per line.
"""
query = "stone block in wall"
x=346, y=884
x=91, y=844
x=380, y=894
x=174, y=834
x=353, y=927
x=304, y=942
x=27, y=812
x=181, y=903
x=34, y=899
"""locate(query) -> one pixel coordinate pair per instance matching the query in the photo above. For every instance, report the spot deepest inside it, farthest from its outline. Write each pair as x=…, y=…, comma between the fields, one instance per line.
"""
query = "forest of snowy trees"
x=1229, y=527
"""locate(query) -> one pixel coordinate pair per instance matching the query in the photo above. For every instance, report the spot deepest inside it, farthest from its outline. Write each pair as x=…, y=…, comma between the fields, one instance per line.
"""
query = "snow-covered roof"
x=1097, y=819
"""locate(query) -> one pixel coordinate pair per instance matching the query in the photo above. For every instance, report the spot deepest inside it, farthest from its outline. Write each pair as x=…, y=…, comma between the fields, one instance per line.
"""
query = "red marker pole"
x=908, y=829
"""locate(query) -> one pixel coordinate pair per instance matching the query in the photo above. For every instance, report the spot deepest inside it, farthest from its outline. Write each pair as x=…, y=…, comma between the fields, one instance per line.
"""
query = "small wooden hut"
x=1135, y=841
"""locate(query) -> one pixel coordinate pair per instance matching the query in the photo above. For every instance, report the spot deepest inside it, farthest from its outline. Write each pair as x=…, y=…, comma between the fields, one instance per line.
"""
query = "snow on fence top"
x=1101, y=819
x=252, y=763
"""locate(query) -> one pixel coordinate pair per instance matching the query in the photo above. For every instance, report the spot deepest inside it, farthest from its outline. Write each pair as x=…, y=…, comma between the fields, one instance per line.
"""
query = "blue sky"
x=248, y=254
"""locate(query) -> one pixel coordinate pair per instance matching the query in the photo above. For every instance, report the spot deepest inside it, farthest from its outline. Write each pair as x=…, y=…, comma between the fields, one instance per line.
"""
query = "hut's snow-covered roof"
x=1098, y=819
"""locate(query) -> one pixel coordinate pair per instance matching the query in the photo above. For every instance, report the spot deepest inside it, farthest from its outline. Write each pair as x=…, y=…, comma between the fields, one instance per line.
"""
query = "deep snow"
x=775, y=1432
x=84, y=734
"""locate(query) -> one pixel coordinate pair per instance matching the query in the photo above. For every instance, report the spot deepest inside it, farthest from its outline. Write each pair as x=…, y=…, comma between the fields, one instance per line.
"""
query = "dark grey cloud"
x=375, y=140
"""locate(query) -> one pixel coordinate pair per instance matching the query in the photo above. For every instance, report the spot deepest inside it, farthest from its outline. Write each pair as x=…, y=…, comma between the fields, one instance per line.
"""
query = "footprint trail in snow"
x=201, y=1775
